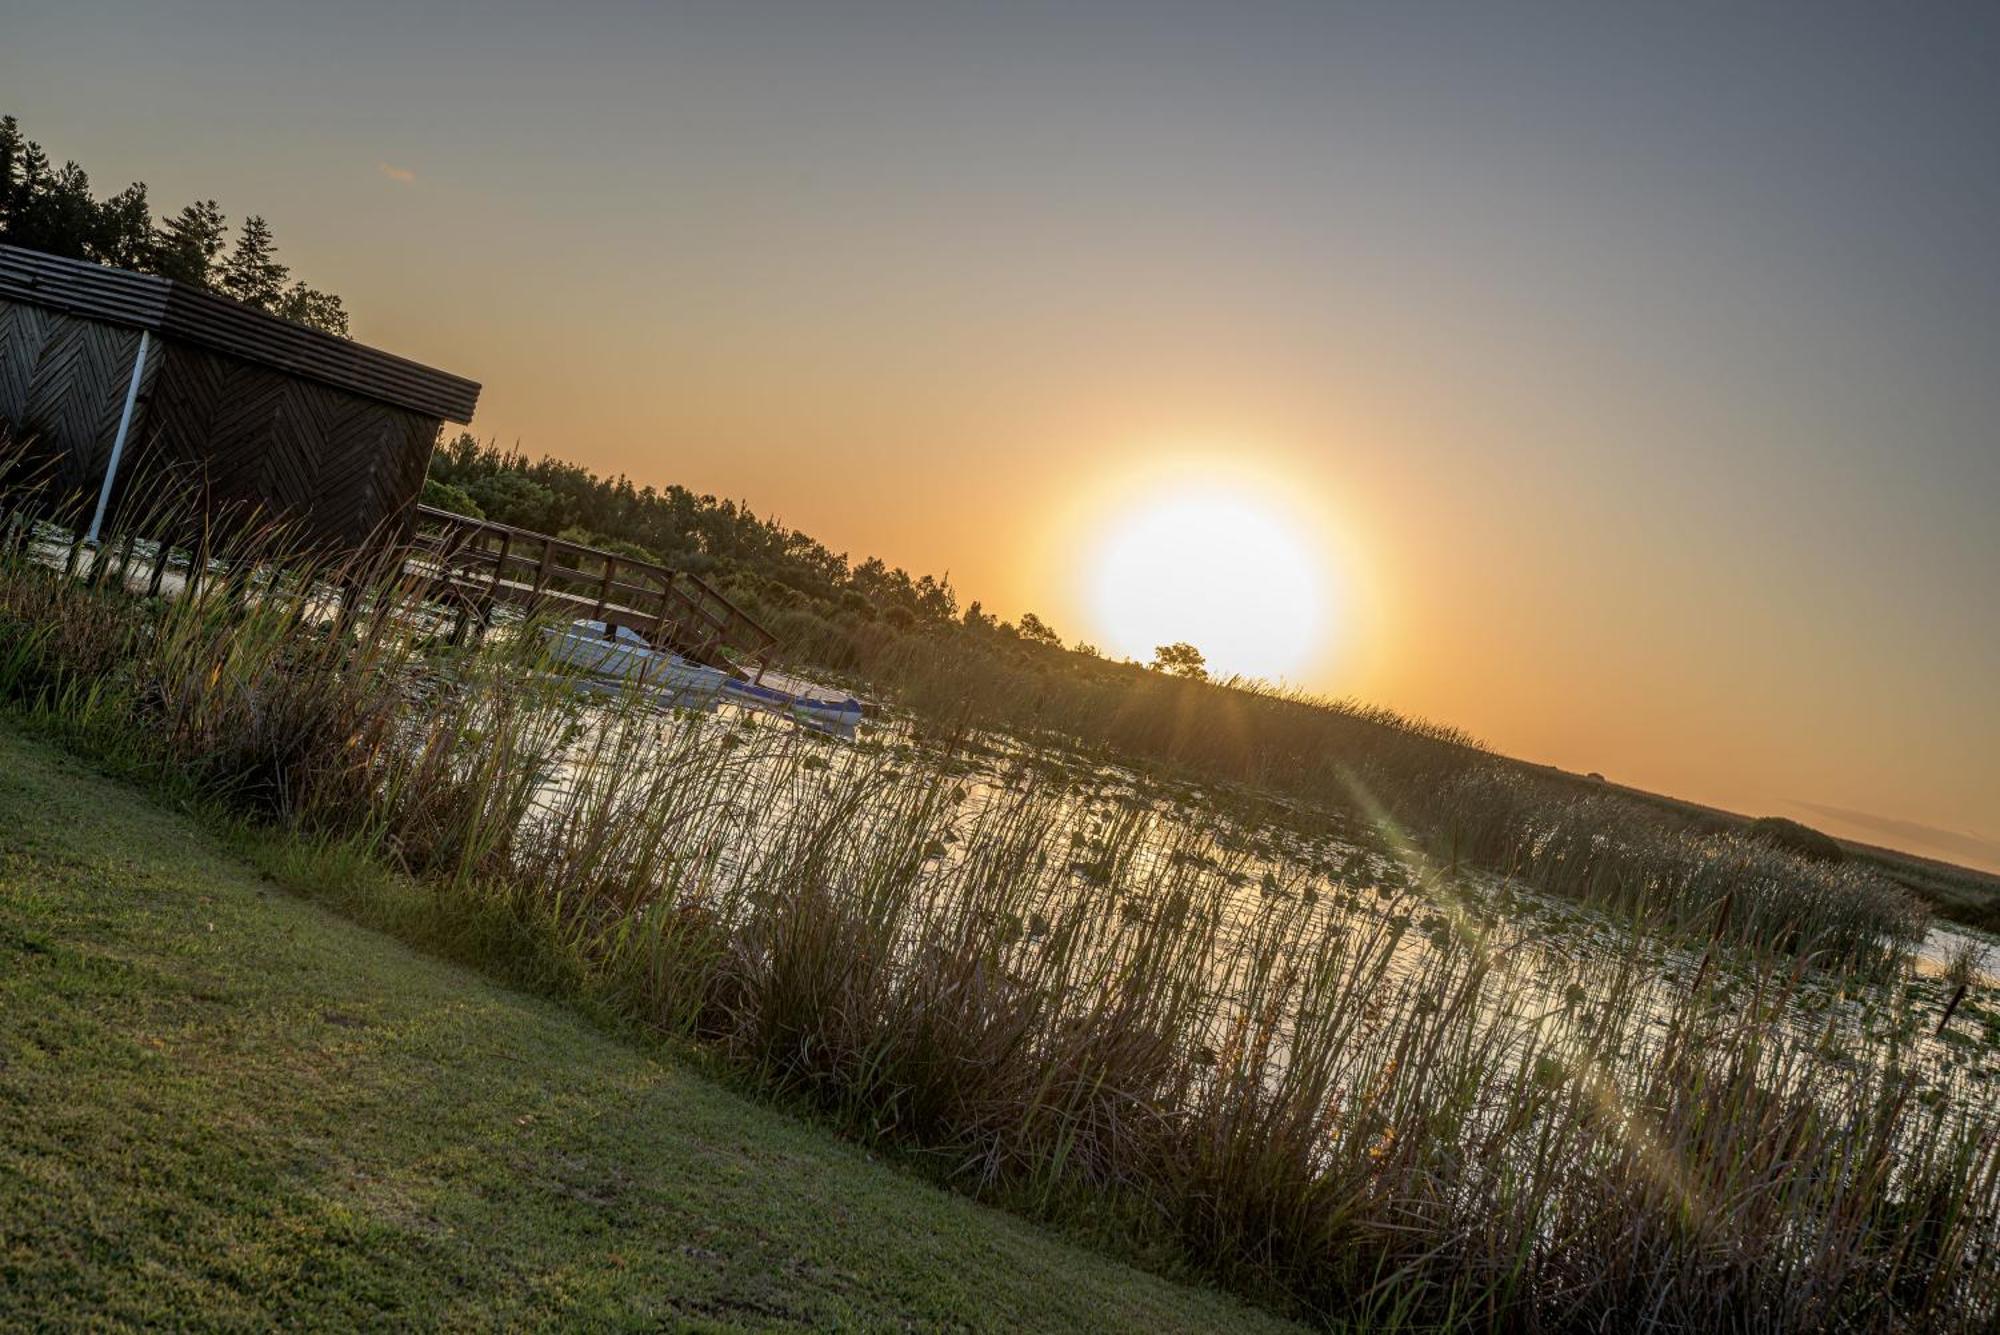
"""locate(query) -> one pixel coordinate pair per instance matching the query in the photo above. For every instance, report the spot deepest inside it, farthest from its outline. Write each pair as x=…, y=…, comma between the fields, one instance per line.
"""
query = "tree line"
x=823, y=601
x=52, y=209
x=673, y=526
x=818, y=599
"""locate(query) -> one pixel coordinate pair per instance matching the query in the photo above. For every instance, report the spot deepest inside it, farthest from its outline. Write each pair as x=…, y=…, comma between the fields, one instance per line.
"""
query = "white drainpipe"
x=118, y=441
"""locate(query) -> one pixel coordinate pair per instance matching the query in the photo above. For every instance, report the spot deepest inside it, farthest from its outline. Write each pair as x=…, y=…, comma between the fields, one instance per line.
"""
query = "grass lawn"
x=224, y=1106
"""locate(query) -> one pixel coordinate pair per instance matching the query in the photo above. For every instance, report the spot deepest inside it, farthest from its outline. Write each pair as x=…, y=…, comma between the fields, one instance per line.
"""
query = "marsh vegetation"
x=1331, y=1007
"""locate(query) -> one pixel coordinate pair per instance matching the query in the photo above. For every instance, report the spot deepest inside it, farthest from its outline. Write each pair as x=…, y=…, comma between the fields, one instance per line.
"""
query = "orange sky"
x=1641, y=380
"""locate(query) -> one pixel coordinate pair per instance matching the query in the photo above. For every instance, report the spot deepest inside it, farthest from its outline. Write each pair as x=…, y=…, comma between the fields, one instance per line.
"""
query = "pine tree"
x=12, y=147
x=52, y=211
x=252, y=273
x=186, y=245
x=124, y=233
x=33, y=173
x=23, y=166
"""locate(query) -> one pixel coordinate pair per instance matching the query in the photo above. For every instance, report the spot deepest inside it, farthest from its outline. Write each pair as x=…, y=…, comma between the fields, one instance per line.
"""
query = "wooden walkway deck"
x=483, y=564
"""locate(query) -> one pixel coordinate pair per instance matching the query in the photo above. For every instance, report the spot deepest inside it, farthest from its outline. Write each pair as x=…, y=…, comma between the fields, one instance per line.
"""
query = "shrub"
x=444, y=496
x=1798, y=840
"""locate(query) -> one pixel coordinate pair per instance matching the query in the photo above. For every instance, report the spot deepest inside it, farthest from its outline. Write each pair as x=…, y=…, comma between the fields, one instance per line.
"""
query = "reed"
x=1353, y=1082
x=1429, y=789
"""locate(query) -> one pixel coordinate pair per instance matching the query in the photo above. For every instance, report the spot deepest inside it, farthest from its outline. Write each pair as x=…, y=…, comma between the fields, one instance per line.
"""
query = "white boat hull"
x=629, y=659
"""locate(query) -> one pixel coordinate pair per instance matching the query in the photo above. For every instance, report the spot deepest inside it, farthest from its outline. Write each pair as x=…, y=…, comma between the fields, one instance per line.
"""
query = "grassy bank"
x=223, y=1106
x=1336, y=1073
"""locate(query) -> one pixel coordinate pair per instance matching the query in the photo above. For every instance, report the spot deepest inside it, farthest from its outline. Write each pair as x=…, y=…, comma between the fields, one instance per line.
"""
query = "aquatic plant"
x=1330, y=1069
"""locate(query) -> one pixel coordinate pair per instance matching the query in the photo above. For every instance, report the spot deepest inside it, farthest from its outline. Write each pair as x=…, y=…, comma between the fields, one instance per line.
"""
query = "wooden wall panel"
x=253, y=438
x=63, y=381
x=234, y=436
x=79, y=391
x=23, y=330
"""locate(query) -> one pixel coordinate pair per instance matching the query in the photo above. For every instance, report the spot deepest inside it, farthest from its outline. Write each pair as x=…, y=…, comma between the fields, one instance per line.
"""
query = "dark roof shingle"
x=177, y=311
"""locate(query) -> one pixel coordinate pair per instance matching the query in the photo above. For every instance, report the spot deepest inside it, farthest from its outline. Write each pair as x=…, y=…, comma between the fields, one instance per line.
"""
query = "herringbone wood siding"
x=248, y=438
x=191, y=315
x=254, y=438
x=62, y=386
x=22, y=332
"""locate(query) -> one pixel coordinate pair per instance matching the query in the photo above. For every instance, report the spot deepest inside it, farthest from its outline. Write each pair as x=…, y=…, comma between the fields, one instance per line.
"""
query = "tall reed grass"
x=1352, y=1087
x=1444, y=796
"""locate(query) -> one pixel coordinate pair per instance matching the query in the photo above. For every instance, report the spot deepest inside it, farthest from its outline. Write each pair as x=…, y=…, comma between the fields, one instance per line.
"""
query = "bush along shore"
x=1653, y=1080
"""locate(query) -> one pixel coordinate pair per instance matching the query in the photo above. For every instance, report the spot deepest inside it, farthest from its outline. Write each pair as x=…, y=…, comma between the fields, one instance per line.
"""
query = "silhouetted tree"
x=1034, y=629
x=701, y=534
x=13, y=150
x=310, y=306
x=52, y=210
x=186, y=246
x=1181, y=659
x=444, y=496
x=124, y=232
x=252, y=273
x=514, y=498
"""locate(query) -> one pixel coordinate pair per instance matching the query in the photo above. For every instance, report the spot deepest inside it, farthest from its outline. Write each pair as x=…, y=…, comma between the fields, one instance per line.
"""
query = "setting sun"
x=1217, y=566
x=1351, y=645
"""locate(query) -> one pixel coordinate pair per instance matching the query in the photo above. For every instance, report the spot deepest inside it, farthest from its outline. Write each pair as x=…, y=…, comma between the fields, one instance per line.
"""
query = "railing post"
x=659, y=636
x=604, y=586
x=542, y=568
x=444, y=550
x=493, y=586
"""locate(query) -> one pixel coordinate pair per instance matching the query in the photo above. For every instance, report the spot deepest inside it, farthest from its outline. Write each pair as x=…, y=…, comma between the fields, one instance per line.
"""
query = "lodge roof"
x=193, y=315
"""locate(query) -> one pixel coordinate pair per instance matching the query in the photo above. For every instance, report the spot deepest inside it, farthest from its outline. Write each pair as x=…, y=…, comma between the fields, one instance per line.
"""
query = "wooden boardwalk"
x=481, y=564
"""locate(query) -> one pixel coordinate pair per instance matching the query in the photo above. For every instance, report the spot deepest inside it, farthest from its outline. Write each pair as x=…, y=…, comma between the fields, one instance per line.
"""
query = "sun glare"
x=1222, y=568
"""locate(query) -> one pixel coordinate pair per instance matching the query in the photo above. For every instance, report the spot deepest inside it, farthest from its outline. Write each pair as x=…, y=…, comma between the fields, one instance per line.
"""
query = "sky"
x=1634, y=372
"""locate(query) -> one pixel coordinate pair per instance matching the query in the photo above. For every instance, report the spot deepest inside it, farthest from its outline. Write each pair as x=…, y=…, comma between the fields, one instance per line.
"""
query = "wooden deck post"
x=542, y=571
x=660, y=633
x=493, y=585
x=604, y=586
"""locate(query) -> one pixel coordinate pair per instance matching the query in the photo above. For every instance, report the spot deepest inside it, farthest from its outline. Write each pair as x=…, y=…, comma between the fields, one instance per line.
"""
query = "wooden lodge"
x=140, y=381
x=128, y=387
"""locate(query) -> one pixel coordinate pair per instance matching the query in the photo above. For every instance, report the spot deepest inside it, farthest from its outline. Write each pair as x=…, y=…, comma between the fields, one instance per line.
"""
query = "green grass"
x=1360, y=1084
x=222, y=1105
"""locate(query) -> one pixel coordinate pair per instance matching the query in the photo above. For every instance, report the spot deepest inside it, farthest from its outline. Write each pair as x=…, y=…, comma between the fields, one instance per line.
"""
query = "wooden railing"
x=483, y=564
